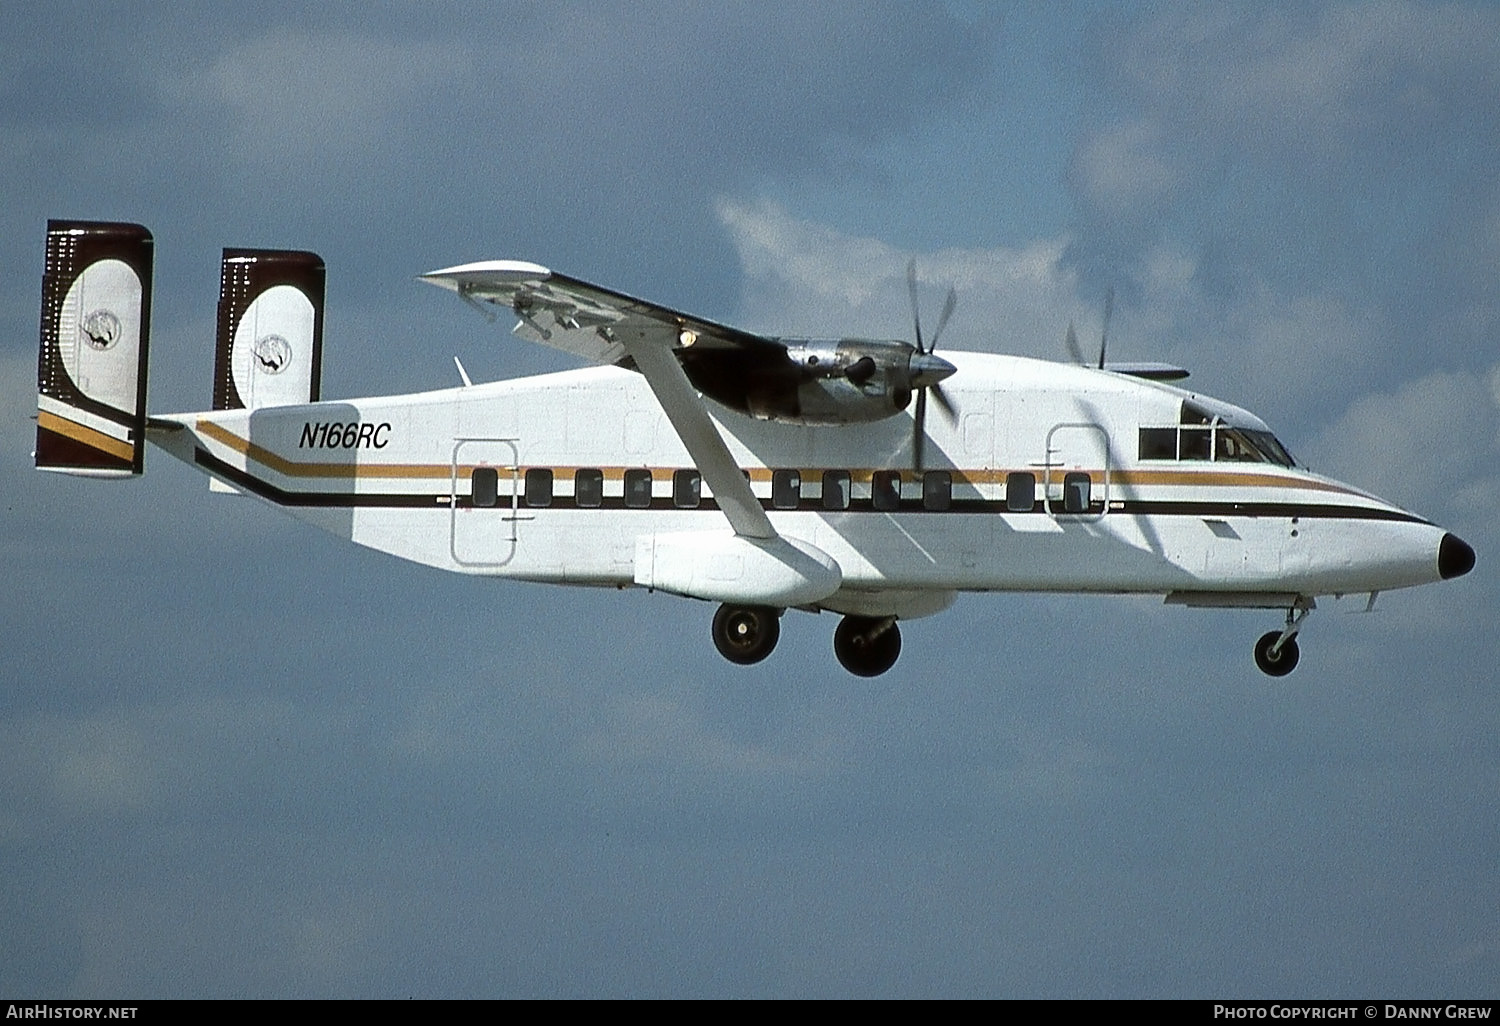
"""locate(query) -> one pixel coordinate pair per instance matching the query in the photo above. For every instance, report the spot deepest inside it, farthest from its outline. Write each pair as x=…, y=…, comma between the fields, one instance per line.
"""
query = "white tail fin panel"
x=91, y=371
x=270, y=337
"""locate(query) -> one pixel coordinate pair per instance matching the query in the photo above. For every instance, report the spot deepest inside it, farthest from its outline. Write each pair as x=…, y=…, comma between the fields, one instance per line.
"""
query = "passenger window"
x=484, y=486
x=835, y=489
x=1195, y=443
x=539, y=487
x=937, y=490
x=588, y=488
x=1077, y=488
x=786, y=489
x=885, y=489
x=687, y=488
x=1158, y=443
x=638, y=488
x=1020, y=492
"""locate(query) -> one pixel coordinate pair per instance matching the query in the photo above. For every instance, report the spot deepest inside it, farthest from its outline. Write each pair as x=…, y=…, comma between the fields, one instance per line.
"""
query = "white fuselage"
x=559, y=495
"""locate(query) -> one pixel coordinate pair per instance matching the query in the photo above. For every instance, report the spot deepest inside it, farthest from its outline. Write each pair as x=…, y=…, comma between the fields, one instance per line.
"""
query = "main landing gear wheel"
x=867, y=646
x=746, y=634
x=1276, y=662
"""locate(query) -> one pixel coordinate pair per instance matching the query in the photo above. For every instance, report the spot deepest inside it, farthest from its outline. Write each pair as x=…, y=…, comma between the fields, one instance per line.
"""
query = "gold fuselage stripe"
x=761, y=475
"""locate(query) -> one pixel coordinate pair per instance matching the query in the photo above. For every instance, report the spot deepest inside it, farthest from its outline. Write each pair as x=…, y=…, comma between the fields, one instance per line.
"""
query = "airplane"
x=762, y=473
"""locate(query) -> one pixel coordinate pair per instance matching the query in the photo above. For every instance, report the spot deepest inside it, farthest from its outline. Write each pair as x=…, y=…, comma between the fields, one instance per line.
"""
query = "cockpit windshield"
x=1270, y=446
x=1245, y=445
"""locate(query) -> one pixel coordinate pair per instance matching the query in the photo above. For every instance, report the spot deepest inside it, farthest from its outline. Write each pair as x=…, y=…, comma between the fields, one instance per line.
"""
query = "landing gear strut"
x=1276, y=652
x=746, y=634
x=867, y=646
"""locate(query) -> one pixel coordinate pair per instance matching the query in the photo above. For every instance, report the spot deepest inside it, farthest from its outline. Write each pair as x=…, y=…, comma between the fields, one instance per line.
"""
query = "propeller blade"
x=1074, y=350
x=945, y=404
x=1109, y=308
x=948, y=305
x=916, y=316
x=919, y=429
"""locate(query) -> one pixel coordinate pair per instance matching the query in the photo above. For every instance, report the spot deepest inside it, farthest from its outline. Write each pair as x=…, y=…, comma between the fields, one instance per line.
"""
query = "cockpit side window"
x=1195, y=443
x=1158, y=443
x=1195, y=415
x=1201, y=437
x=1232, y=446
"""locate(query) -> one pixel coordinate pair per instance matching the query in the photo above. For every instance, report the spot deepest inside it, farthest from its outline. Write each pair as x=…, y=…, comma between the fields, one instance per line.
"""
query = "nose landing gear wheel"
x=1280, y=663
x=866, y=646
x=745, y=634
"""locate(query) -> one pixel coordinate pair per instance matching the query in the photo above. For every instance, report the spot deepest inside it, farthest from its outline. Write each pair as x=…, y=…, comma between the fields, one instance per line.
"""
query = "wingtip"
x=485, y=271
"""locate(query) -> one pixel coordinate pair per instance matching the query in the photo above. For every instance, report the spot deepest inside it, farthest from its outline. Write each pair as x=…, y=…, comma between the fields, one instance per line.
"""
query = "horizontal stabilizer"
x=1150, y=371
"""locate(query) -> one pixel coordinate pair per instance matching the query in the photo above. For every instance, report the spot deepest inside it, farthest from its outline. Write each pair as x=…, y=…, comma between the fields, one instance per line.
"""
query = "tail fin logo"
x=273, y=353
x=270, y=329
x=101, y=329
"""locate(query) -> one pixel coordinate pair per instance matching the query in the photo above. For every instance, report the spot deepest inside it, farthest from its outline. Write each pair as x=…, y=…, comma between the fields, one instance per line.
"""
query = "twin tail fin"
x=95, y=333
x=91, y=370
x=270, y=339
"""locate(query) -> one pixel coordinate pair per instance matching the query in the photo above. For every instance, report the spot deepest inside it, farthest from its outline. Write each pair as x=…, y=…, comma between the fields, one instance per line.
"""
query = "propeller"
x=1071, y=339
x=927, y=370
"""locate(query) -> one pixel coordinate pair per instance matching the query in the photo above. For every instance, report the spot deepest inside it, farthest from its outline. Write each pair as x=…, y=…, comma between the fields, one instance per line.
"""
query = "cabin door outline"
x=484, y=501
x=1075, y=449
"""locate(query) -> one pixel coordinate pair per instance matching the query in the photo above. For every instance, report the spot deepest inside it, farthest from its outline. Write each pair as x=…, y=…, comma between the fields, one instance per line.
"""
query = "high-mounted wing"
x=794, y=380
x=610, y=327
x=587, y=320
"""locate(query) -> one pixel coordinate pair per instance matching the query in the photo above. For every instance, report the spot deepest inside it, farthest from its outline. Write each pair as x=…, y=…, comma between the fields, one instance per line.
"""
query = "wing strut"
x=685, y=409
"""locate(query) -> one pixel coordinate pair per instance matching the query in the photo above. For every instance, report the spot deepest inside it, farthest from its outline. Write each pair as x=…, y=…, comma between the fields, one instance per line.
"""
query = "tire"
x=1281, y=664
x=746, y=634
x=863, y=648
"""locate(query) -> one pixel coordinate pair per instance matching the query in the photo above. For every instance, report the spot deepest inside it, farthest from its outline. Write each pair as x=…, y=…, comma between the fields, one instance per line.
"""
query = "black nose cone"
x=1455, y=558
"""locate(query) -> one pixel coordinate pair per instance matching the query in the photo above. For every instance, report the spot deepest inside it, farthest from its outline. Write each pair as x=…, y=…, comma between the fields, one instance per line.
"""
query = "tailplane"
x=91, y=372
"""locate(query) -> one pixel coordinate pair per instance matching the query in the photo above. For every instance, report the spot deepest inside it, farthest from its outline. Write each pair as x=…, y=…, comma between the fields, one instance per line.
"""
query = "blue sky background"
x=239, y=758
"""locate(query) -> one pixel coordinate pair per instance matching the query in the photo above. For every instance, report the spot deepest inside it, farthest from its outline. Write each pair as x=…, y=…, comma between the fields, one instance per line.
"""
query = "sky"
x=239, y=758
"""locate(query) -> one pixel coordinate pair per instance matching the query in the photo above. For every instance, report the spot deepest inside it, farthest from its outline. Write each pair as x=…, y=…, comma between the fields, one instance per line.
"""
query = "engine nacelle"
x=822, y=381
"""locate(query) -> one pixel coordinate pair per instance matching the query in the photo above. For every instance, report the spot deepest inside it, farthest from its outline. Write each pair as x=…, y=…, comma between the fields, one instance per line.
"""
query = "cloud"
x=305, y=103
x=1334, y=162
x=1431, y=444
x=1313, y=84
x=807, y=278
x=1286, y=351
x=1126, y=168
